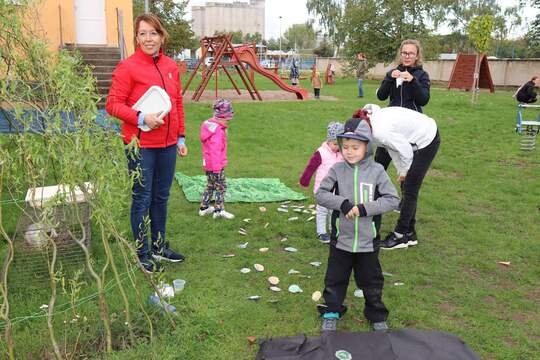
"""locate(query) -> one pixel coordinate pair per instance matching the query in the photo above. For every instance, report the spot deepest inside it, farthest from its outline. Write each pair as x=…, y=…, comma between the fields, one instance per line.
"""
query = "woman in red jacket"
x=156, y=156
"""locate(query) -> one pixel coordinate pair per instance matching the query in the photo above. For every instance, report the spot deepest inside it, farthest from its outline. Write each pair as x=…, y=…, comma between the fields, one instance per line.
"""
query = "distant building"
x=217, y=17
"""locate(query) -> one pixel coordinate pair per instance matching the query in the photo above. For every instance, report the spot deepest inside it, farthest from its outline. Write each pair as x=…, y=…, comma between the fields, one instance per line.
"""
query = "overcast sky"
x=295, y=12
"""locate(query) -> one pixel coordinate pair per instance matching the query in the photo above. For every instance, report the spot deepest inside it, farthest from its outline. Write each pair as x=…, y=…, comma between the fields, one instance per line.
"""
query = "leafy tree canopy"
x=171, y=14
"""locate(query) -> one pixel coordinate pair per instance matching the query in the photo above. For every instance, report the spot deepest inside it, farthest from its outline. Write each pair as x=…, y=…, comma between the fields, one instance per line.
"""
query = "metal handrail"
x=60, y=23
x=121, y=39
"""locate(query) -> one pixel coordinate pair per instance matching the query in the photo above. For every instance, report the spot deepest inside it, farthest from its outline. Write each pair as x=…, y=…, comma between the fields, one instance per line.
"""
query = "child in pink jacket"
x=214, y=150
x=320, y=163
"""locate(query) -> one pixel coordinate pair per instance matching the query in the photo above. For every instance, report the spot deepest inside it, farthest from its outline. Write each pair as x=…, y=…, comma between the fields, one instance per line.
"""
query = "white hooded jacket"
x=401, y=131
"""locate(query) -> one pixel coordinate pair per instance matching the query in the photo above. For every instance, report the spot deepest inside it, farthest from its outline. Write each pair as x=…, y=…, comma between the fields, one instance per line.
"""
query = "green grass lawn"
x=480, y=204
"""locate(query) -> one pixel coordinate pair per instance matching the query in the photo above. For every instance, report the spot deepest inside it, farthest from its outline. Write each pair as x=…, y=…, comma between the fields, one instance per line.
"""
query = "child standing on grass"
x=349, y=189
x=316, y=82
x=322, y=160
x=214, y=149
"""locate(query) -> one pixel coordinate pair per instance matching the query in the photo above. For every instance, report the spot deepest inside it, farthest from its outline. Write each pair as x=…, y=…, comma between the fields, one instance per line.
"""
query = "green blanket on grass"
x=240, y=190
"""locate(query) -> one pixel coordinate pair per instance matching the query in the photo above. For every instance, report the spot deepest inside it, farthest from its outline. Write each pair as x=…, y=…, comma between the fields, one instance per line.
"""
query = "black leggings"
x=410, y=188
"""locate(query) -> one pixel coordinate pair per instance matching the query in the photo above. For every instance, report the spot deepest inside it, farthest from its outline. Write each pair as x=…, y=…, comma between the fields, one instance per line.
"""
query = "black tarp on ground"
x=394, y=345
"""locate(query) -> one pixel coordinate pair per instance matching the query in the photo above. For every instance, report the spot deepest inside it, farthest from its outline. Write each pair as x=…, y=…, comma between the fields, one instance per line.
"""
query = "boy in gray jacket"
x=356, y=189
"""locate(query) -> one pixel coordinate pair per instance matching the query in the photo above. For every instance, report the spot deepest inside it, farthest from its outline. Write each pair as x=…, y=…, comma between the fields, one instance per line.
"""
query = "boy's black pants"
x=367, y=275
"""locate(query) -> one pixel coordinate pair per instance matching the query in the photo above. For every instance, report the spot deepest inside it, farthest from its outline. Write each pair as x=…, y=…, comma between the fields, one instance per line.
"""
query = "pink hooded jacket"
x=214, y=145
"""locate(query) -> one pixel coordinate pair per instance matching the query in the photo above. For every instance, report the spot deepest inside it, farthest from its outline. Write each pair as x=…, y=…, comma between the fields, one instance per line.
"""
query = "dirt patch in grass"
x=445, y=174
x=447, y=307
x=535, y=338
x=266, y=95
x=523, y=317
x=473, y=273
x=510, y=342
x=534, y=296
x=518, y=163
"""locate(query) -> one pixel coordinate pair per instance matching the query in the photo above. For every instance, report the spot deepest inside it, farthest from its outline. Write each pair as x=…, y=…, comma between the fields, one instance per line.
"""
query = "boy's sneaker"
x=392, y=242
x=412, y=240
x=223, y=214
x=329, y=322
x=380, y=326
x=150, y=266
x=168, y=255
x=324, y=238
x=204, y=212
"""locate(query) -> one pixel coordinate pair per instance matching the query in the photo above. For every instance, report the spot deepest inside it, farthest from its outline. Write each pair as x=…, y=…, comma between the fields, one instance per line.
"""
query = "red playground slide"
x=247, y=55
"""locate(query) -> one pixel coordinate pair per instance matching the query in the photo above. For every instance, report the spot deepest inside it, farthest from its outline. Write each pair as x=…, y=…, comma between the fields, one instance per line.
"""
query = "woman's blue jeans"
x=150, y=196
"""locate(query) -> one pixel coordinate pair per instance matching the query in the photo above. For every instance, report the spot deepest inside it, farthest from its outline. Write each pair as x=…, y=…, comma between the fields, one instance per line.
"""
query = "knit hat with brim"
x=223, y=109
x=334, y=128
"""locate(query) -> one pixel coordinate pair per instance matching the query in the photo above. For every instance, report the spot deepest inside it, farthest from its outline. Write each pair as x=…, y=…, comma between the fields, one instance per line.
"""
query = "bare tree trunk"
x=4, y=309
x=476, y=80
x=52, y=300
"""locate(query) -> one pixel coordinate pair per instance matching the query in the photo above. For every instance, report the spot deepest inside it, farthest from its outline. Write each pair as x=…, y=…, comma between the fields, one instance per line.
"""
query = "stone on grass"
x=258, y=267
x=295, y=289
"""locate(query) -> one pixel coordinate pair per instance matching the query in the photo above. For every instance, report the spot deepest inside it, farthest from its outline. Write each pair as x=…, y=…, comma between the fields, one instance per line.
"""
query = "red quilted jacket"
x=130, y=80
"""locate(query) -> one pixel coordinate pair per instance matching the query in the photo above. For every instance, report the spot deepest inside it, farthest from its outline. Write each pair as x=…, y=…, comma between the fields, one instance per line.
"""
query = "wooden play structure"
x=225, y=55
x=529, y=129
x=464, y=70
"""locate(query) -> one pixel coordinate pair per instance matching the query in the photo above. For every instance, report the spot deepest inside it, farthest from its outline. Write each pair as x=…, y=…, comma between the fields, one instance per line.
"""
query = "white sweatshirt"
x=397, y=129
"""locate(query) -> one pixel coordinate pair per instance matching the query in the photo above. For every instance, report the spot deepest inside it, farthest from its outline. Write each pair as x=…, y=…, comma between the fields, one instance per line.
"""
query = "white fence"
x=504, y=72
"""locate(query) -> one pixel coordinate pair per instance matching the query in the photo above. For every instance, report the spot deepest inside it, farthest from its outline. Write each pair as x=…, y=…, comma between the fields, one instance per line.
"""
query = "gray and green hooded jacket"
x=365, y=184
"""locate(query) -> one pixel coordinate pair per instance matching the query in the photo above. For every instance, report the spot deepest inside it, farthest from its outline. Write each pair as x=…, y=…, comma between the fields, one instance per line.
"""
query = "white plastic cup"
x=178, y=285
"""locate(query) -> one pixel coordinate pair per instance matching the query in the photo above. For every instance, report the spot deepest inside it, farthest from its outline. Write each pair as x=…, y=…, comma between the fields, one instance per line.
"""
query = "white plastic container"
x=154, y=100
x=178, y=285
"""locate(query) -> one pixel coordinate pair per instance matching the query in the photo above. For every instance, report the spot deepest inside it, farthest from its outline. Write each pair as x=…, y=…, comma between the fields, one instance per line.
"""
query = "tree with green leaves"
x=50, y=98
x=238, y=37
x=479, y=30
x=301, y=36
x=330, y=14
x=273, y=44
x=375, y=28
x=256, y=38
x=324, y=49
x=533, y=35
x=172, y=15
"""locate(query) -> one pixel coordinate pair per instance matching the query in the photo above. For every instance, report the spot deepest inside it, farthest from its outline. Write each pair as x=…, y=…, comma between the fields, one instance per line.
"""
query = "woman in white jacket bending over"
x=412, y=140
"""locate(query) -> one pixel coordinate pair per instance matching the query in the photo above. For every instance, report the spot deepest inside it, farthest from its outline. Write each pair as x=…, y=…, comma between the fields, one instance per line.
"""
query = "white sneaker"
x=224, y=214
x=206, y=211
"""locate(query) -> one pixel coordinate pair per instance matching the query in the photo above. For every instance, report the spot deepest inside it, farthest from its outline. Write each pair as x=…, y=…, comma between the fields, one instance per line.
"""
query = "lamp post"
x=280, y=44
x=146, y=6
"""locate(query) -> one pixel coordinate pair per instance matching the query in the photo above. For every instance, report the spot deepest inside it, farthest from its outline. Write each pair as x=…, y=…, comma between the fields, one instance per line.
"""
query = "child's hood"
x=209, y=128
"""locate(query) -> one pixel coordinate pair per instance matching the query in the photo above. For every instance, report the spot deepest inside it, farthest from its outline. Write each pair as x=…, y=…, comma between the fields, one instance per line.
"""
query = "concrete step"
x=102, y=62
x=104, y=83
x=97, y=56
x=99, y=69
x=103, y=90
x=103, y=76
x=93, y=48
